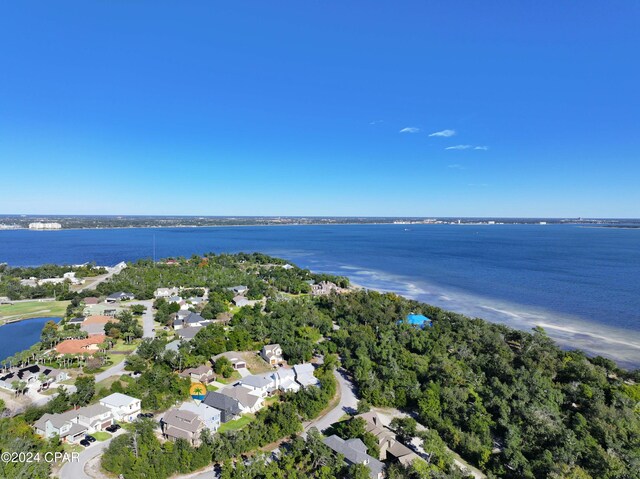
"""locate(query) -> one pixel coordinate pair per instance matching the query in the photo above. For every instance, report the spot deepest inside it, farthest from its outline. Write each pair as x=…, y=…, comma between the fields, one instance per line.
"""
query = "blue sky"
x=298, y=108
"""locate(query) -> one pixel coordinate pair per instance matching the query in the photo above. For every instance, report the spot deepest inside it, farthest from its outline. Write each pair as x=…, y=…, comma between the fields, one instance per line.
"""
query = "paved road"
x=92, y=282
x=348, y=403
x=75, y=470
x=148, y=332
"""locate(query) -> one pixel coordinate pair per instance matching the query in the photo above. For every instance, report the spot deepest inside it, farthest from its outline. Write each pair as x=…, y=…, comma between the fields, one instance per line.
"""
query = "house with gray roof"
x=189, y=321
x=240, y=301
x=119, y=296
x=189, y=333
x=182, y=424
x=355, y=452
x=240, y=289
x=209, y=416
x=228, y=406
x=63, y=425
x=248, y=399
x=36, y=376
x=234, y=357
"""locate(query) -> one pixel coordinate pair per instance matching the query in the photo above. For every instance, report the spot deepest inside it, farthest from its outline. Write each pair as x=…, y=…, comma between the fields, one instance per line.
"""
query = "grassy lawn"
x=122, y=346
x=49, y=392
x=271, y=400
x=211, y=388
x=237, y=423
x=32, y=309
x=101, y=435
x=106, y=383
x=232, y=379
x=72, y=448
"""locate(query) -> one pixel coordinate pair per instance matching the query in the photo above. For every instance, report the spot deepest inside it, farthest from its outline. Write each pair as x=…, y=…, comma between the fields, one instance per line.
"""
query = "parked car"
x=113, y=427
x=147, y=414
x=85, y=443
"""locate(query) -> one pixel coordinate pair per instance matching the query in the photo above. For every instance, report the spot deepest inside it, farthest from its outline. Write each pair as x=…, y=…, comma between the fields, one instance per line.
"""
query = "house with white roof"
x=123, y=407
x=305, y=376
x=165, y=292
x=272, y=353
x=262, y=384
x=287, y=380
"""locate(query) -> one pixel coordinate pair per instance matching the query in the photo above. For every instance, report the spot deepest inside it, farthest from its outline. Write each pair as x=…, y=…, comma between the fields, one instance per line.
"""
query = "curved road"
x=148, y=332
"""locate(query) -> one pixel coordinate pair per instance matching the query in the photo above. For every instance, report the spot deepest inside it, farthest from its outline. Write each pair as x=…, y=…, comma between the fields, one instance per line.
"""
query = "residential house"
x=355, y=452
x=202, y=374
x=34, y=375
x=123, y=407
x=182, y=424
x=96, y=417
x=304, y=375
x=272, y=353
x=64, y=425
x=80, y=346
x=196, y=301
x=119, y=296
x=95, y=324
x=239, y=289
x=388, y=444
x=235, y=358
x=324, y=288
x=189, y=320
x=261, y=385
x=248, y=399
x=91, y=300
x=228, y=406
x=287, y=380
x=188, y=334
x=240, y=301
x=165, y=292
x=209, y=416
x=174, y=345
x=77, y=321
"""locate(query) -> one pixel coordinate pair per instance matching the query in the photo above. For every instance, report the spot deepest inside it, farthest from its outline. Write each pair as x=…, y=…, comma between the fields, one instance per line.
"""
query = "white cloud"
x=467, y=147
x=410, y=129
x=444, y=133
x=375, y=122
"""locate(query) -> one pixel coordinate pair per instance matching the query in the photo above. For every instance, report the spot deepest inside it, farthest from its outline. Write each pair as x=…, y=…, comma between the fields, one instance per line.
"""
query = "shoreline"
x=567, y=332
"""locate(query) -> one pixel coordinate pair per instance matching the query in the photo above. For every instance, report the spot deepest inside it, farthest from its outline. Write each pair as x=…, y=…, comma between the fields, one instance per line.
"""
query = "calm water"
x=22, y=335
x=580, y=283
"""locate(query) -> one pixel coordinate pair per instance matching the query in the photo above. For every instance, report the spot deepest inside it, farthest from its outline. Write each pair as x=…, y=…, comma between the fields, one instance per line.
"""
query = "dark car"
x=85, y=443
x=148, y=414
x=90, y=438
x=113, y=427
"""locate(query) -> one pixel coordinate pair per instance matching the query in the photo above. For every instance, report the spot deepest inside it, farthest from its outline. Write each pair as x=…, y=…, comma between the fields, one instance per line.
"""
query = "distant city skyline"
x=407, y=109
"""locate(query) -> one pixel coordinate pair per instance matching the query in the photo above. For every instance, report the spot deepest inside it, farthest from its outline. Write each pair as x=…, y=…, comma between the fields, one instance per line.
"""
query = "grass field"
x=32, y=309
x=237, y=423
x=101, y=435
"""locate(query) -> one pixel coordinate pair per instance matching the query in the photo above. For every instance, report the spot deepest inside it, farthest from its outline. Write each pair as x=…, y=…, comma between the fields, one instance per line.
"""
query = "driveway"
x=76, y=470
